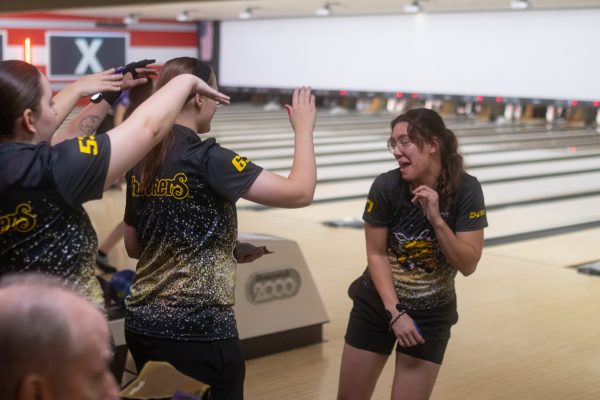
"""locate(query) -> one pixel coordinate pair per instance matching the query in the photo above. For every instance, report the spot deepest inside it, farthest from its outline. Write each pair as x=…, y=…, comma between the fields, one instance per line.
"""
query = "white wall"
x=532, y=54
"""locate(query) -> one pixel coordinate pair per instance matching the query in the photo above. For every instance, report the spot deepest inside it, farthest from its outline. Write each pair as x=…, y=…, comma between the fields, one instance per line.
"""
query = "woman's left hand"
x=142, y=75
x=429, y=201
x=104, y=81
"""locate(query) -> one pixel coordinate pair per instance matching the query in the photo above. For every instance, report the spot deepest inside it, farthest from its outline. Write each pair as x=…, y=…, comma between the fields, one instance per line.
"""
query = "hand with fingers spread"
x=405, y=329
x=100, y=82
x=428, y=199
x=302, y=112
x=93, y=83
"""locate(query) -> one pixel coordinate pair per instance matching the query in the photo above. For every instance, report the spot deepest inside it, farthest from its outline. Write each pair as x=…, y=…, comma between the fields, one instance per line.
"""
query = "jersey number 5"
x=88, y=145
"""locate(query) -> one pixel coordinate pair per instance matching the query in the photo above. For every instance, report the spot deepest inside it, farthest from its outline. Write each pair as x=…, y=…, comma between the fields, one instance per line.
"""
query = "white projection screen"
x=531, y=54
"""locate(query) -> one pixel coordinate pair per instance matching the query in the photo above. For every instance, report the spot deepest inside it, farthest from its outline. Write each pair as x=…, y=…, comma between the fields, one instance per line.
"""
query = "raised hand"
x=142, y=75
x=302, y=112
x=99, y=82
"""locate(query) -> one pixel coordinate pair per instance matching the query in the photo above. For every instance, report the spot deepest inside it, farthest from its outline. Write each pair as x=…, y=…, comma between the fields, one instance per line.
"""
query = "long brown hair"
x=152, y=164
x=426, y=126
x=137, y=95
x=20, y=89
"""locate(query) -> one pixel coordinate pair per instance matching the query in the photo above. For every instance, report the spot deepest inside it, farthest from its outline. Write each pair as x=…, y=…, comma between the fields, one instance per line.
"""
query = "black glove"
x=132, y=66
x=111, y=97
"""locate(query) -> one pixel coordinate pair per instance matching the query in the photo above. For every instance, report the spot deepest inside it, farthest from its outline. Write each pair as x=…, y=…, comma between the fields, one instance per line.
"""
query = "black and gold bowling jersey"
x=186, y=226
x=422, y=276
x=43, y=227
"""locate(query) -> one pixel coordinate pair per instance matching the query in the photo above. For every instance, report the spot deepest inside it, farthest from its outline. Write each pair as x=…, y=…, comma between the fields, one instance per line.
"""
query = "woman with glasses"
x=181, y=223
x=423, y=223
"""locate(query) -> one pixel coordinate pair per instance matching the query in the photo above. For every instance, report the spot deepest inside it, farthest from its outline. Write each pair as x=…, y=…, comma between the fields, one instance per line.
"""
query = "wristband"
x=109, y=97
x=401, y=310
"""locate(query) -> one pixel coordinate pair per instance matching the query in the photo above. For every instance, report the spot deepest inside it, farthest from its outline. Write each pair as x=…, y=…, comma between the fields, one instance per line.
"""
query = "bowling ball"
x=120, y=284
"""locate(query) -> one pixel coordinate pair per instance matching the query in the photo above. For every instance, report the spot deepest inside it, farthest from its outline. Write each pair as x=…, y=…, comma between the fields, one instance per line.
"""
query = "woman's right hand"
x=302, y=112
x=205, y=89
x=406, y=331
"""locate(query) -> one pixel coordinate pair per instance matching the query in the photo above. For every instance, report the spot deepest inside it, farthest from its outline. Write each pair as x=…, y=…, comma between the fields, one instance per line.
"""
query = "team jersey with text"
x=186, y=226
x=422, y=276
x=43, y=227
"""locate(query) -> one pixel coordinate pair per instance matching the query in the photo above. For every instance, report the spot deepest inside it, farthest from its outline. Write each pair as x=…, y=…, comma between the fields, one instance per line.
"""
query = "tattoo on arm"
x=89, y=124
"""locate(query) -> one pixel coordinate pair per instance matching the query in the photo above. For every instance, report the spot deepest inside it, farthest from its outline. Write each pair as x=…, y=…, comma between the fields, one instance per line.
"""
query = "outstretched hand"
x=99, y=82
x=302, y=112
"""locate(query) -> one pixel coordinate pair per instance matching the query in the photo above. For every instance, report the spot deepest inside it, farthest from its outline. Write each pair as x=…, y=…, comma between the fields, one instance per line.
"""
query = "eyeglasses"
x=404, y=141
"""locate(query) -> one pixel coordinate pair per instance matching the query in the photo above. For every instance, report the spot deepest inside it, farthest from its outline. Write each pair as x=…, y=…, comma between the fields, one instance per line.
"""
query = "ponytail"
x=152, y=164
x=452, y=169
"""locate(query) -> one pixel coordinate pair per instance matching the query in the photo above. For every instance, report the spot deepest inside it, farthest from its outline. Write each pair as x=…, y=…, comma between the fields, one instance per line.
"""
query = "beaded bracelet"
x=392, y=322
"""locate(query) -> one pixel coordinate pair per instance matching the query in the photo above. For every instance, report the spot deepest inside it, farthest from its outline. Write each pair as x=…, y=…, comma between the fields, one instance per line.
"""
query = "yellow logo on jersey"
x=239, y=163
x=174, y=187
x=22, y=220
x=88, y=145
x=477, y=214
x=418, y=253
x=370, y=205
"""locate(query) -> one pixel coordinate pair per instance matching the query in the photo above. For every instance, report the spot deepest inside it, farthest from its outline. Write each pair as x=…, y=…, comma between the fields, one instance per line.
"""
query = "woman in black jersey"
x=181, y=223
x=43, y=226
x=423, y=222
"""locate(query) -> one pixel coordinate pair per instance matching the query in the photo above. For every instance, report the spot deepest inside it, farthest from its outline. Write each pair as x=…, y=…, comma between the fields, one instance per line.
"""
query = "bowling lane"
x=485, y=174
x=497, y=195
x=474, y=160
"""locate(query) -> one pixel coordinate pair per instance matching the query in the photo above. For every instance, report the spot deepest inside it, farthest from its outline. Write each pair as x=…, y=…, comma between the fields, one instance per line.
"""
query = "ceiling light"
x=131, y=19
x=519, y=4
x=183, y=16
x=246, y=14
x=324, y=11
x=413, y=7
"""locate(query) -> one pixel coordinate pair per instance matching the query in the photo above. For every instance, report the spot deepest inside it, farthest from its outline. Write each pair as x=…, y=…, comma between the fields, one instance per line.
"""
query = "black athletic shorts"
x=218, y=363
x=368, y=327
